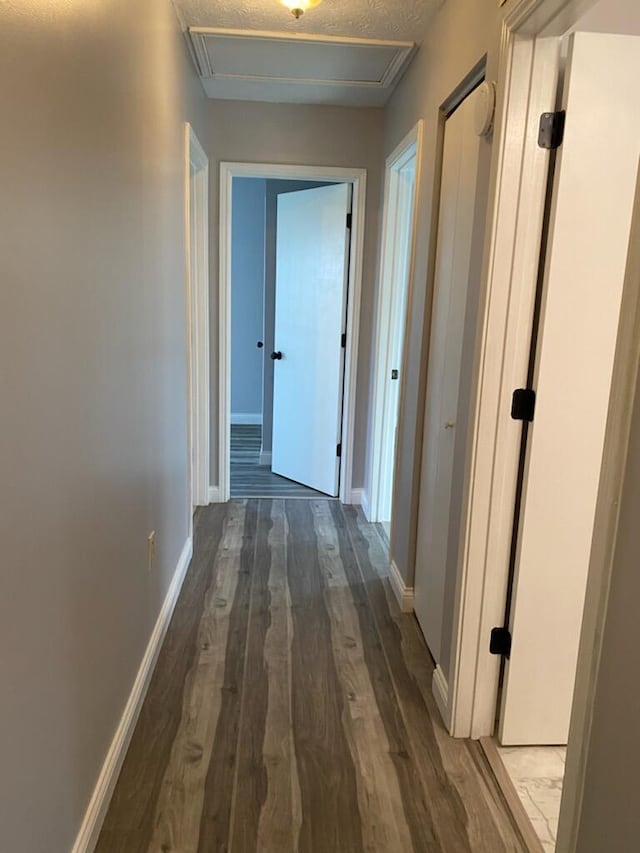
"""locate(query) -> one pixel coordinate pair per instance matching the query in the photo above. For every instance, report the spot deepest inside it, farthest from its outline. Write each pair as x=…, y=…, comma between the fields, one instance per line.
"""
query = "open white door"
x=312, y=257
x=455, y=227
x=586, y=257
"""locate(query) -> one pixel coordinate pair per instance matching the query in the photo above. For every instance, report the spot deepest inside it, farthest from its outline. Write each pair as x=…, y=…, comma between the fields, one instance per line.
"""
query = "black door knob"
x=260, y=344
x=276, y=356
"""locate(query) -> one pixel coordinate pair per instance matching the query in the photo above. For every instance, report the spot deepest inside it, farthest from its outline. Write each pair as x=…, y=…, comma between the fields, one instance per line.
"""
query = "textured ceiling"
x=386, y=19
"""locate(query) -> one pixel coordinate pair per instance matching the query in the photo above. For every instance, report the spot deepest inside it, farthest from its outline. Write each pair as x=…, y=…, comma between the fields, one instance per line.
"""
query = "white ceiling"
x=402, y=20
x=256, y=50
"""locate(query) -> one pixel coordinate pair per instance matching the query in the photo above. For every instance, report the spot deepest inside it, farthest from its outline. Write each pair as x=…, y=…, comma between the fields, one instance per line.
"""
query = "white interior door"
x=312, y=255
x=586, y=258
x=455, y=228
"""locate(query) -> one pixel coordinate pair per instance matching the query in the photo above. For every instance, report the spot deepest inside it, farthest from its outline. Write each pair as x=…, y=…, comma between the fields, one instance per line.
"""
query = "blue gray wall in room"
x=247, y=298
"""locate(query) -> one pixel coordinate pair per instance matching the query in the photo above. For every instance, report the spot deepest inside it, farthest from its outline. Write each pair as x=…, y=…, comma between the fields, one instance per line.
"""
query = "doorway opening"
x=533, y=571
x=398, y=246
x=256, y=239
x=290, y=269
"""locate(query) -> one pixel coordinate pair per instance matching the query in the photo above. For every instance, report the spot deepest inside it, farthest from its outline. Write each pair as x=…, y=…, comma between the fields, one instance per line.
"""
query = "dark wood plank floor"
x=290, y=709
x=250, y=479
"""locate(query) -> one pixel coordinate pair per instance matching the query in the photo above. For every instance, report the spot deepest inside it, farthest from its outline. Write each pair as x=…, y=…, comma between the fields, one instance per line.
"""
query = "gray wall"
x=247, y=294
x=610, y=817
x=460, y=35
x=274, y=189
x=301, y=135
x=92, y=383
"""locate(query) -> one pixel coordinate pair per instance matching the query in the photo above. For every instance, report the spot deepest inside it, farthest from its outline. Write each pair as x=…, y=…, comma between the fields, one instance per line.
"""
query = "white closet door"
x=311, y=289
x=586, y=258
x=455, y=228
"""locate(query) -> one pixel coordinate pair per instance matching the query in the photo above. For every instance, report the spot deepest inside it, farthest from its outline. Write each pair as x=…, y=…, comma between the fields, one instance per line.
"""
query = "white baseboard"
x=265, y=457
x=94, y=816
x=355, y=497
x=403, y=593
x=440, y=690
x=214, y=495
x=364, y=503
x=246, y=418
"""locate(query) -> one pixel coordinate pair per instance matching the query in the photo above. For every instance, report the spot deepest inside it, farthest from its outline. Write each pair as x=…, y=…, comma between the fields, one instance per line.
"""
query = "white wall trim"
x=265, y=457
x=440, y=691
x=403, y=593
x=358, y=179
x=214, y=495
x=99, y=802
x=411, y=143
x=355, y=497
x=246, y=418
x=197, y=301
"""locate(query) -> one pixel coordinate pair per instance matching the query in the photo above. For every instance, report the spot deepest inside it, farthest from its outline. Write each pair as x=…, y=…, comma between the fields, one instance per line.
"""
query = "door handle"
x=276, y=356
x=260, y=344
x=449, y=424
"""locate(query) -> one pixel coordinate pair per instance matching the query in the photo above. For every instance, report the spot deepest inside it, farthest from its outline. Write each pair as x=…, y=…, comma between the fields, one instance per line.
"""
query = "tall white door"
x=586, y=258
x=312, y=257
x=455, y=227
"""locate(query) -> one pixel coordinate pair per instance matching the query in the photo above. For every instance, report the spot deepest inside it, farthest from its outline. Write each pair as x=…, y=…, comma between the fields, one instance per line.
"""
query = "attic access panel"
x=267, y=64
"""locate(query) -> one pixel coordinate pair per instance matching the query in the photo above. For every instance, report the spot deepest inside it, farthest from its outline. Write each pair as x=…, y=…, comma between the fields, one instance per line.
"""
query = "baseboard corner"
x=403, y=593
x=440, y=691
x=89, y=832
x=265, y=458
x=355, y=497
x=364, y=503
x=214, y=495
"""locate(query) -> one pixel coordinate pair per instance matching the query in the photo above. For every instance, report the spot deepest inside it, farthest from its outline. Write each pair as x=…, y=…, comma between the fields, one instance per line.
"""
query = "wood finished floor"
x=290, y=709
x=250, y=479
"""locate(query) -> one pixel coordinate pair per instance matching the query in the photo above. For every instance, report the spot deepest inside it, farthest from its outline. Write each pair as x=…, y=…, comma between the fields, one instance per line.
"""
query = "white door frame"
x=409, y=147
x=358, y=179
x=197, y=294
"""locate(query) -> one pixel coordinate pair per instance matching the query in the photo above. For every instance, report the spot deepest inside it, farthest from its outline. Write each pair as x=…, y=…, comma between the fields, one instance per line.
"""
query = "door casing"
x=409, y=147
x=196, y=166
x=358, y=179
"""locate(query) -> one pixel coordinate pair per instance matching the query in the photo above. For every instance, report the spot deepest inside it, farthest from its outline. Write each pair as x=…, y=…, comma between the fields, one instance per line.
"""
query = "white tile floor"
x=537, y=773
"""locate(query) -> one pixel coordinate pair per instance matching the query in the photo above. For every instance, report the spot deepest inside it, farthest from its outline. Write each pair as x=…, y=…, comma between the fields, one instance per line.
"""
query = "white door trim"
x=358, y=179
x=409, y=147
x=197, y=281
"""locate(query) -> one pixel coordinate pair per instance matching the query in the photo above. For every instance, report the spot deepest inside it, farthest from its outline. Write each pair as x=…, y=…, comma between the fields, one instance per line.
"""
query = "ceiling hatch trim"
x=385, y=60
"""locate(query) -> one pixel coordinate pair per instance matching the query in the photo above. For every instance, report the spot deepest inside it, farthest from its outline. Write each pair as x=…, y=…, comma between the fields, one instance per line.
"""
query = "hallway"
x=291, y=706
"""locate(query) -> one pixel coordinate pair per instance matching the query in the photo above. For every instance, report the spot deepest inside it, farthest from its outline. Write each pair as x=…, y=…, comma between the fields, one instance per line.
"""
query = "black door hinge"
x=339, y=450
x=343, y=340
x=523, y=404
x=500, y=642
x=551, y=130
x=349, y=220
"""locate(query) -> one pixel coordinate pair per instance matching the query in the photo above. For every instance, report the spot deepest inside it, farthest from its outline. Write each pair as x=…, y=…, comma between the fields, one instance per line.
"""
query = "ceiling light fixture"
x=299, y=7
